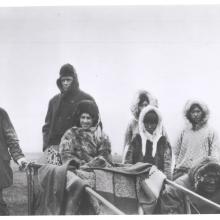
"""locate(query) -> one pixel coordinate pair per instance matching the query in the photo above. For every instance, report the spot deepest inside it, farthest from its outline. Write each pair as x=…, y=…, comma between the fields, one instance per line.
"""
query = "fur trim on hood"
x=145, y=135
x=204, y=108
x=200, y=167
x=134, y=106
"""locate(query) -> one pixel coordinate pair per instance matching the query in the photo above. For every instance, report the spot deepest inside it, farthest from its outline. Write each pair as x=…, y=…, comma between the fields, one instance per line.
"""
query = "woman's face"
x=86, y=121
x=196, y=114
x=210, y=183
x=150, y=126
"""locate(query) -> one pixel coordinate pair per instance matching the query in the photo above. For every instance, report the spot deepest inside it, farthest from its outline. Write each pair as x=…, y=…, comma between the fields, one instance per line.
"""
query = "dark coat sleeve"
x=128, y=135
x=129, y=155
x=47, y=125
x=172, y=201
x=11, y=138
x=134, y=153
x=168, y=160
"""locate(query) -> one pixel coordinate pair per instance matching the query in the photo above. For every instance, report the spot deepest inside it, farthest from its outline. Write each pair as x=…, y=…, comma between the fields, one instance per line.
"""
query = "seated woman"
x=82, y=146
x=203, y=178
x=151, y=144
x=85, y=140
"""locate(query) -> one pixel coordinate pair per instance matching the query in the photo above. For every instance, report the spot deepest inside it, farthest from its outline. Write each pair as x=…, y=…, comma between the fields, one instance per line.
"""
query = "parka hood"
x=134, y=106
x=204, y=108
x=200, y=167
x=145, y=135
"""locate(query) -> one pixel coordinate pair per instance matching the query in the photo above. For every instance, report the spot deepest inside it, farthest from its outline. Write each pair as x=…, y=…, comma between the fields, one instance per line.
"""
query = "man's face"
x=66, y=82
x=196, y=114
x=210, y=183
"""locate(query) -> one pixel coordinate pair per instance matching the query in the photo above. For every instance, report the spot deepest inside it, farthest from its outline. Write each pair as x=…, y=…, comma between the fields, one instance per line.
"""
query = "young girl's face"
x=86, y=121
x=196, y=114
x=150, y=126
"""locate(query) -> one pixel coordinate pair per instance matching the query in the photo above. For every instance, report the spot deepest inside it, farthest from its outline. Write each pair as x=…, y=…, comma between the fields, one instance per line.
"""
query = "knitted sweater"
x=195, y=144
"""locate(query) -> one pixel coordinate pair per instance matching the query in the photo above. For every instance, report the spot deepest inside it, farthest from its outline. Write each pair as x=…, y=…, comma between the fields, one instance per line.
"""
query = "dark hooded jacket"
x=147, y=148
x=174, y=201
x=60, y=114
x=9, y=147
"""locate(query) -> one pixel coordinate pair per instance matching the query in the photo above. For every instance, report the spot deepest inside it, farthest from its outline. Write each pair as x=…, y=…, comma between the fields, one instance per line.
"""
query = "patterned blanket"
x=119, y=185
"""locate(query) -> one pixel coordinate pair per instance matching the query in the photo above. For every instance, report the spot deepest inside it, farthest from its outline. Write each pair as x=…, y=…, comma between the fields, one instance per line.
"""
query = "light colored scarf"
x=145, y=135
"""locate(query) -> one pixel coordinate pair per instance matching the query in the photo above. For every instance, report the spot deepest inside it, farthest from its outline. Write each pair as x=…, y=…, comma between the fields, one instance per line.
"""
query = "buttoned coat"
x=9, y=148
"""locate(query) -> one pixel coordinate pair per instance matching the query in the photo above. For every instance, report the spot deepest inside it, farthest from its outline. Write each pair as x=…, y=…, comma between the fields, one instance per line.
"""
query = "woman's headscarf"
x=145, y=135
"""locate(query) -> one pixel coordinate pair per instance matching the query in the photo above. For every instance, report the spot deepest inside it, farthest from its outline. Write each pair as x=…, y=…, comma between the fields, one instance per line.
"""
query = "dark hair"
x=143, y=98
x=88, y=107
x=188, y=114
x=200, y=181
x=151, y=117
x=78, y=121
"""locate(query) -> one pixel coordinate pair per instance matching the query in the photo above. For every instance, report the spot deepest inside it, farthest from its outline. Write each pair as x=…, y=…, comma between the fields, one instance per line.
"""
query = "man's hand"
x=22, y=162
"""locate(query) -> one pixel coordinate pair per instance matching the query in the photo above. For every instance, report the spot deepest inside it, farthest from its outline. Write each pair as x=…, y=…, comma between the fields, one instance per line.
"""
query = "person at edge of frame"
x=9, y=148
x=60, y=112
x=203, y=178
x=197, y=140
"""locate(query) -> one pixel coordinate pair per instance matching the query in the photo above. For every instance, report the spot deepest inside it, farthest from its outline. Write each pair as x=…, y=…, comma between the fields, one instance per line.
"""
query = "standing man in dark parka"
x=60, y=112
x=9, y=148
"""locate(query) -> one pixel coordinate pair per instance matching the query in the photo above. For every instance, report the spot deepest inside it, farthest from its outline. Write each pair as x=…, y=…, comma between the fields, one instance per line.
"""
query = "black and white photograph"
x=109, y=110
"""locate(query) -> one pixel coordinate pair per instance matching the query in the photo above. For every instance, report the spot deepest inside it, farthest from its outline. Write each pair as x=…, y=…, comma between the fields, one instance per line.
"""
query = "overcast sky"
x=171, y=51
